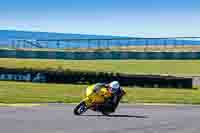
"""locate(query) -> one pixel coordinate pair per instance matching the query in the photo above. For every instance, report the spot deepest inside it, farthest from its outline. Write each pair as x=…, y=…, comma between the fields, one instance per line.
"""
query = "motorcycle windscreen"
x=89, y=90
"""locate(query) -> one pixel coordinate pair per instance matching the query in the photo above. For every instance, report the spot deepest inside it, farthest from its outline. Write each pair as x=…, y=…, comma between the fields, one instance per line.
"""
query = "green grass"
x=19, y=92
x=156, y=95
x=181, y=67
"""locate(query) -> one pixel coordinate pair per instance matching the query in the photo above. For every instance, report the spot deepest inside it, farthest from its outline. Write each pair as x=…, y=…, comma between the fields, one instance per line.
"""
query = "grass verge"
x=173, y=67
x=19, y=92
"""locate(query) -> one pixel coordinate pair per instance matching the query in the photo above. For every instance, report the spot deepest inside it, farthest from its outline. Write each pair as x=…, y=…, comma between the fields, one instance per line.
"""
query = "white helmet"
x=115, y=86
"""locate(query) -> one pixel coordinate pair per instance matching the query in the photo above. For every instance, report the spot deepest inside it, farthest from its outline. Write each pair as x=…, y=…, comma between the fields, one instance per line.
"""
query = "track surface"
x=58, y=118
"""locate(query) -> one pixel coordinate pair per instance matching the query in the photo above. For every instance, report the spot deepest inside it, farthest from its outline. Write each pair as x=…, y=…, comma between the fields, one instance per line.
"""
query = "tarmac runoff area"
x=59, y=118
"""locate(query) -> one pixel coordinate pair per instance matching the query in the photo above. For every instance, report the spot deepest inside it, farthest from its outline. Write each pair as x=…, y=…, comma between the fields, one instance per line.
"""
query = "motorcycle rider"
x=116, y=91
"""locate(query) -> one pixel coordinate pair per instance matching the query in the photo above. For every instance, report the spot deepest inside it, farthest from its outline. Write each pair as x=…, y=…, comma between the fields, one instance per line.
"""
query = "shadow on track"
x=122, y=116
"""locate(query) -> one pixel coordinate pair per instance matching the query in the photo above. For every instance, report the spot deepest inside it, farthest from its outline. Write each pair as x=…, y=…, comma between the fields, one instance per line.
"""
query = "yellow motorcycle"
x=95, y=101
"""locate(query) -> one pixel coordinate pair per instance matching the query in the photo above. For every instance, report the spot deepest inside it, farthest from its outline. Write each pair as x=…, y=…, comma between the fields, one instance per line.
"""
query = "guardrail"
x=97, y=55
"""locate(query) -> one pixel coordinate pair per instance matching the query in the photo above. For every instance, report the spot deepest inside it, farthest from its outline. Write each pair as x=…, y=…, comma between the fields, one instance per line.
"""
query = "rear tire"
x=80, y=108
x=106, y=113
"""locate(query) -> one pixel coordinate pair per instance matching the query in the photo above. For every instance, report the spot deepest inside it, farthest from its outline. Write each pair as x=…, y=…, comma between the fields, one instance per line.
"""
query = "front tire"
x=80, y=108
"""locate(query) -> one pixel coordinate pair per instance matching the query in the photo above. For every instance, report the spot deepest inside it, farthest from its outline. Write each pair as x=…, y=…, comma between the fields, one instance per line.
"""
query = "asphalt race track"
x=58, y=118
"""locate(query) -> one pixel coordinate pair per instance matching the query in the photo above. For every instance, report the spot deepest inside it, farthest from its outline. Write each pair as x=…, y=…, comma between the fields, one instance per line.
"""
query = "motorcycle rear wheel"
x=106, y=113
x=80, y=108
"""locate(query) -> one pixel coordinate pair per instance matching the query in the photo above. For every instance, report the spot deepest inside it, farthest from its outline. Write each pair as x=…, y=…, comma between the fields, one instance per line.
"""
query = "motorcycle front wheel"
x=80, y=108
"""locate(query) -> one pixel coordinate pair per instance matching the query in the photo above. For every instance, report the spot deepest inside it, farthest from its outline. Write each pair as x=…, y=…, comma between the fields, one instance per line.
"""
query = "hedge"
x=88, y=77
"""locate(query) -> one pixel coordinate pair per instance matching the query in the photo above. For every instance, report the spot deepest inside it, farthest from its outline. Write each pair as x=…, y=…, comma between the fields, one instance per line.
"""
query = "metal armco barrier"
x=98, y=55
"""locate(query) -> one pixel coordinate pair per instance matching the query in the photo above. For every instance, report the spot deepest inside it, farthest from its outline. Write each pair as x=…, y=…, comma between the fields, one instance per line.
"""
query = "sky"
x=135, y=18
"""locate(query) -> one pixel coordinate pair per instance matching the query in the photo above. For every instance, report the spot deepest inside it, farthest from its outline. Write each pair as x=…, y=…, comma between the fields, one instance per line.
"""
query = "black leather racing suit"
x=112, y=102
